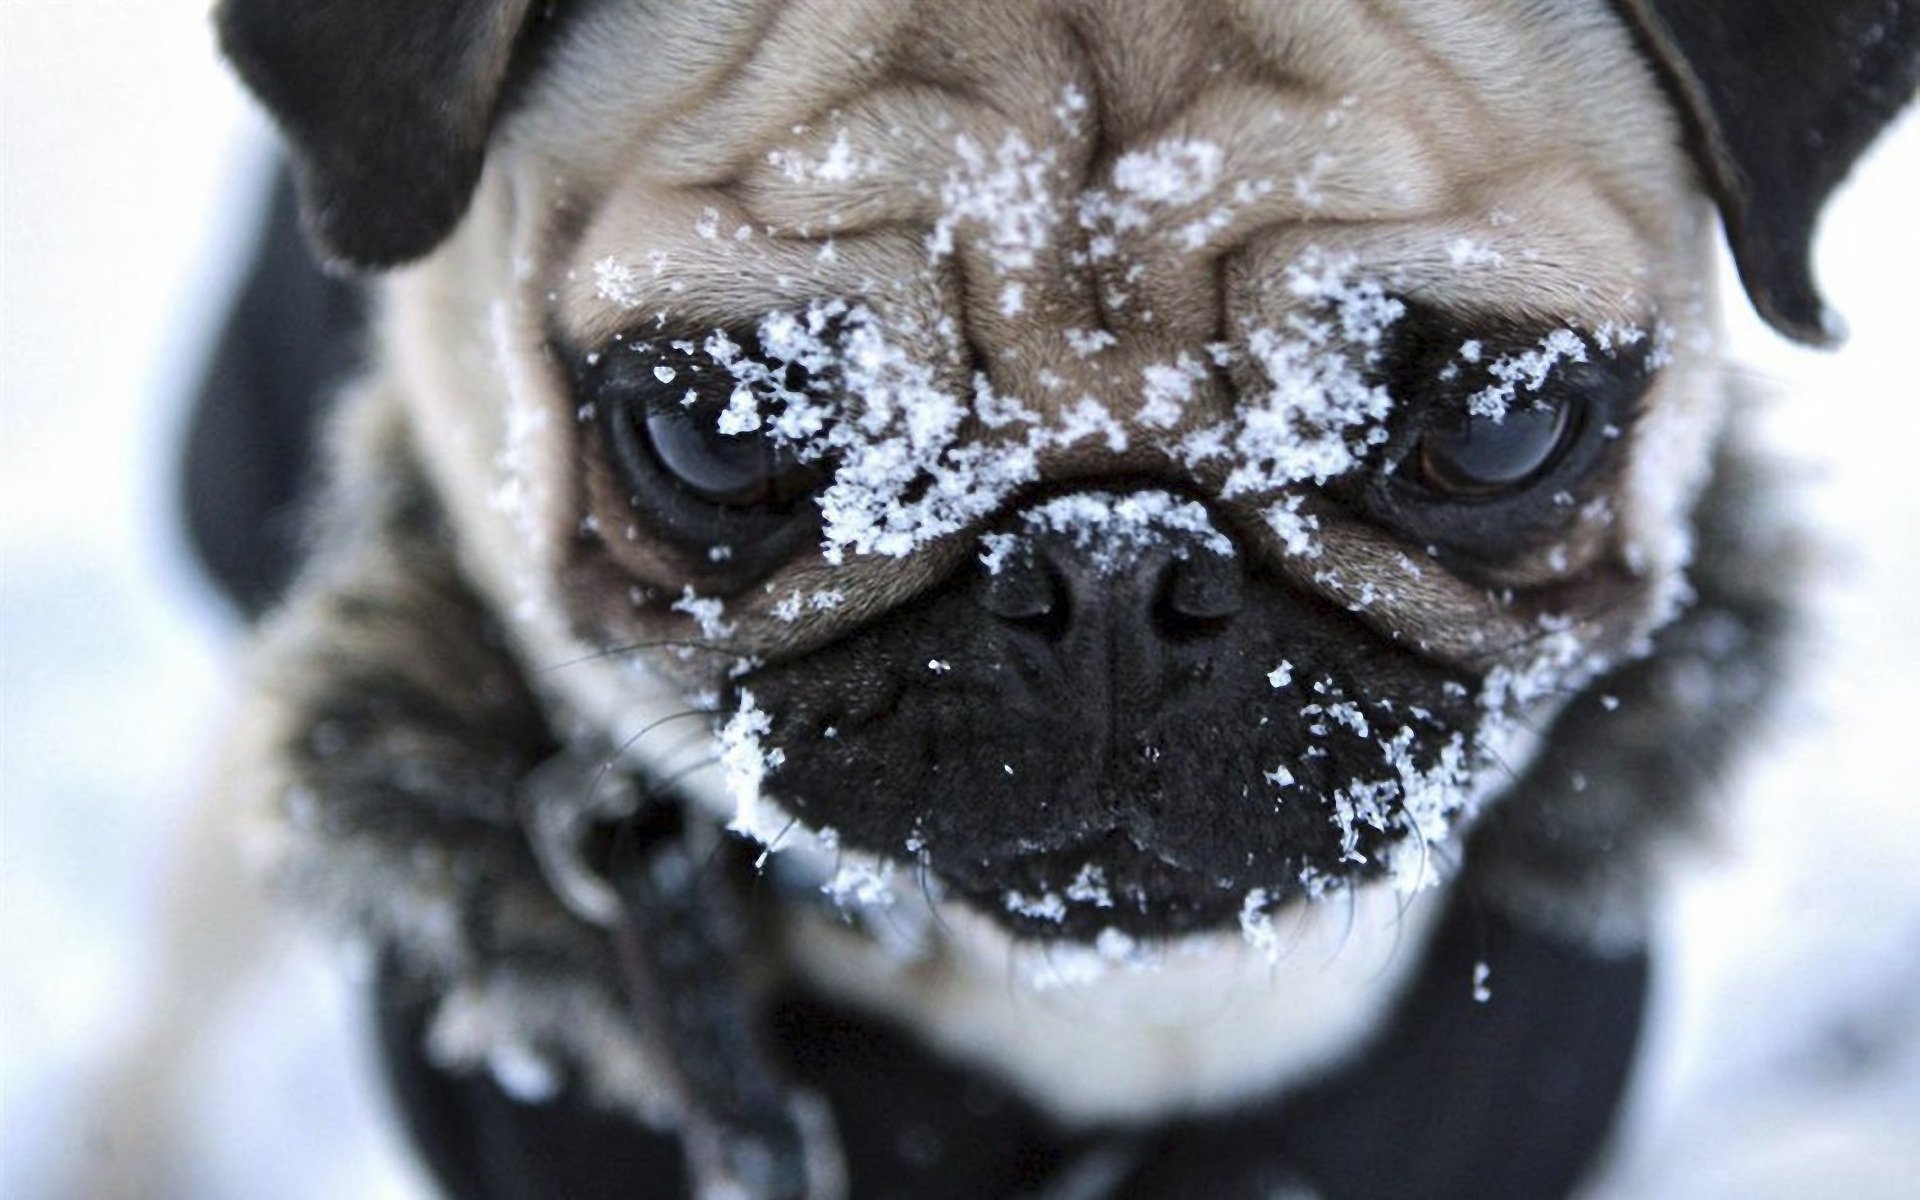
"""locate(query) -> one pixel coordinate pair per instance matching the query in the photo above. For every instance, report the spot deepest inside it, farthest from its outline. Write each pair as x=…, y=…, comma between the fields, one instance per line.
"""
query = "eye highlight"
x=1477, y=455
x=736, y=469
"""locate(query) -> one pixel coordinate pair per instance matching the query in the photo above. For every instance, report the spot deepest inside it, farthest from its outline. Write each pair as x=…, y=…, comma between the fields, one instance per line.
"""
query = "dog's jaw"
x=1122, y=1031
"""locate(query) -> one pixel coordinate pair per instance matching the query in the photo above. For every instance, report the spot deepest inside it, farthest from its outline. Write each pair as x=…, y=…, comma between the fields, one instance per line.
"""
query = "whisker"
x=1606, y=607
x=667, y=783
x=620, y=751
x=635, y=647
x=923, y=873
x=773, y=846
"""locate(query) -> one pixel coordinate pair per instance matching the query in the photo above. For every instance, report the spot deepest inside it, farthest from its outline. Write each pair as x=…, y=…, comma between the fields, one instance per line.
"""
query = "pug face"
x=1123, y=467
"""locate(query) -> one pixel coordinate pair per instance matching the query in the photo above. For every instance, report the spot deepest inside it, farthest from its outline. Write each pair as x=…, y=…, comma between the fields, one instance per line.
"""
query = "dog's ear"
x=387, y=105
x=1782, y=97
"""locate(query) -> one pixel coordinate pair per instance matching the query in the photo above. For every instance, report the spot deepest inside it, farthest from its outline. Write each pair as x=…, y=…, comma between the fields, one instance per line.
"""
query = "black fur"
x=291, y=339
x=1511, y=1099
x=1782, y=96
x=386, y=106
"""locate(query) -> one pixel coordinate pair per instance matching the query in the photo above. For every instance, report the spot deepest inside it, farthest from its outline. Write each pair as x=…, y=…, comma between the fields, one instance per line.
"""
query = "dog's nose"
x=1133, y=584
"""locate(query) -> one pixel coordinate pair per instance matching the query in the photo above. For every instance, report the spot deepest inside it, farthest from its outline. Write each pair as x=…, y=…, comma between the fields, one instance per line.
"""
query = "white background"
x=1788, y=1058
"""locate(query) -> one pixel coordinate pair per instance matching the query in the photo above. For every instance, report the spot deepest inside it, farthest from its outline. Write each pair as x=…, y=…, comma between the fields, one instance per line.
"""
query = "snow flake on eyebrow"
x=1526, y=371
x=790, y=607
x=1175, y=171
x=617, y=283
x=1315, y=413
x=840, y=163
x=1464, y=252
x=1006, y=195
x=1167, y=389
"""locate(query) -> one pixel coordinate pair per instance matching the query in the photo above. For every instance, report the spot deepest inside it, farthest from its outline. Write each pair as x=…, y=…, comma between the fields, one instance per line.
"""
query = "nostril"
x=1031, y=595
x=1197, y=597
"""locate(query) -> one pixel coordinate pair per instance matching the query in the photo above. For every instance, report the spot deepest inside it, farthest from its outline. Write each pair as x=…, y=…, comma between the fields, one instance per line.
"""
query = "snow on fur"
x=915, y=454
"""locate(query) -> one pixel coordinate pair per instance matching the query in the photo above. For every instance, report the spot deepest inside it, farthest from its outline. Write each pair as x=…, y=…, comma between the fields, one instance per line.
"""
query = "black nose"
x=1135, y=585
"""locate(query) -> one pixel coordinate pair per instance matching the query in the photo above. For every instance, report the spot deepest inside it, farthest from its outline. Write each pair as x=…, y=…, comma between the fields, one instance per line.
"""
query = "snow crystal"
x=1047, y=906
x=1526, y=371
x=1315, y=413
x=617, y=283
x=1111, y=530
x=1177, y=171
x=523, y=1073
x=1088, y=342
x=1166, y=389
x=861, y=882
x=838, y=165
x=1463, y=253
x=875, y=408
x=1088, y=418
x=1090, y=887
x=1174, y=174
x=744, y=762
x=1281, y=675
x=707, y=611
x=1481, y=992
x=1004, y=195
x=1257, y=924
x=1294, y=528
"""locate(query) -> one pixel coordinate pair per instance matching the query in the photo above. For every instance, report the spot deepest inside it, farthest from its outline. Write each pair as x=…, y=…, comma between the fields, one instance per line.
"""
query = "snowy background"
x=1788, y=1058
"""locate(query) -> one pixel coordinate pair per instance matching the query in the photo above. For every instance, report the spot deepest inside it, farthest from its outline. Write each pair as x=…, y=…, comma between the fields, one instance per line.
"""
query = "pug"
x=1021, y=598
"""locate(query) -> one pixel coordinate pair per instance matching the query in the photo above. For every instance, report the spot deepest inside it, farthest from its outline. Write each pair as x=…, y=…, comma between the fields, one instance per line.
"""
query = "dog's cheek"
x=1669, y=465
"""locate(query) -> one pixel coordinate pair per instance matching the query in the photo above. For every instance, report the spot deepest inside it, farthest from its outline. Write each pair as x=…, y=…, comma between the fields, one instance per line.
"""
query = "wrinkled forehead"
x=1131, y=167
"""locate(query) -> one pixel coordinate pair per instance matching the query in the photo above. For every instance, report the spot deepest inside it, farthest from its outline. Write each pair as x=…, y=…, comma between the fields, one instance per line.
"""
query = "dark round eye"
x=1471, y=455
x=665, y=408
x=736, y=469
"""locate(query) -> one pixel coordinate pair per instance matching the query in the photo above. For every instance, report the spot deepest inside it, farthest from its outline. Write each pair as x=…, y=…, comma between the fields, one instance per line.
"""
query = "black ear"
x=387, y=105
x=1782, y=96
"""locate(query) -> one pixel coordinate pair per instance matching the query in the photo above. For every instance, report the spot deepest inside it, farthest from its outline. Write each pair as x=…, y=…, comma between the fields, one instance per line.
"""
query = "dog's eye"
x=674, y=416
x=1472, y=455
x=734, y=469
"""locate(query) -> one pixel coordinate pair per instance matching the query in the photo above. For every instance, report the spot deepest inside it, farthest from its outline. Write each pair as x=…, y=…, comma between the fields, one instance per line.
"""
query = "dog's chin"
x=1112, y=885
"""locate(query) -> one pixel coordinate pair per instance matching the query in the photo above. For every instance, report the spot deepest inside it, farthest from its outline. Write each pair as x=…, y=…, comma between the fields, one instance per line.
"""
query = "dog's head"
x=1139, y=462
